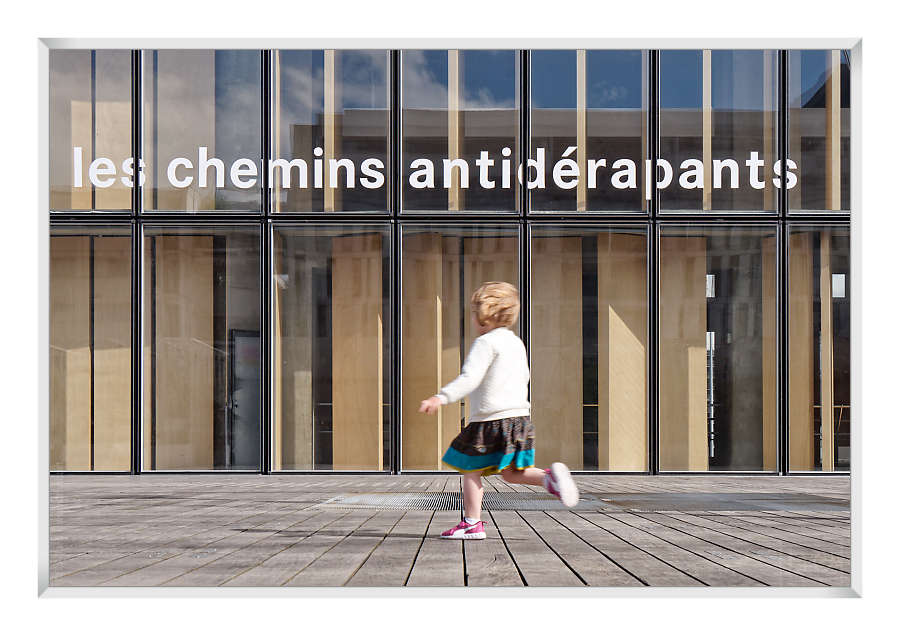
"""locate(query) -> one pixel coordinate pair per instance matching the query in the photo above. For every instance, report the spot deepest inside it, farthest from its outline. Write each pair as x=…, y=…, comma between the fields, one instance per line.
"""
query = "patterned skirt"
x=492, y=446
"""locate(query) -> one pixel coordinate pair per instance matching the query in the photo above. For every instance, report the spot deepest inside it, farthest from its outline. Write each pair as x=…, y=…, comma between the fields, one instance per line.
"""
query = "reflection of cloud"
x=421, y=89
x=301, y=93
x=484, y=99
x=603, y=93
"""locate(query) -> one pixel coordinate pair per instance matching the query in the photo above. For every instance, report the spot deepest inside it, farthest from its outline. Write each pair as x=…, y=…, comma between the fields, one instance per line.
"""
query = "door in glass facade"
x=441, y=267
x=717, y=348
x=331, y=332
x=819, y=348
x=202, y=371
x=90, y=348
x=589, y=346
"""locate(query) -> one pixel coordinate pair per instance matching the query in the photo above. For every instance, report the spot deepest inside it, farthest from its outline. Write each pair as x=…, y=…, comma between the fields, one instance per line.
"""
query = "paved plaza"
x=383, y=530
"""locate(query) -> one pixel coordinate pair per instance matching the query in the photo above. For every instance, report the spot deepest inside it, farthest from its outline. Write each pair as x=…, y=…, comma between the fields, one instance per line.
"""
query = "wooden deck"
x=291, y=530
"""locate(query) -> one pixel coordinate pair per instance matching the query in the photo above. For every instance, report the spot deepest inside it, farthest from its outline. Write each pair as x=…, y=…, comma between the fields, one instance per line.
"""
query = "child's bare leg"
x=473, y=492
x=530, y=476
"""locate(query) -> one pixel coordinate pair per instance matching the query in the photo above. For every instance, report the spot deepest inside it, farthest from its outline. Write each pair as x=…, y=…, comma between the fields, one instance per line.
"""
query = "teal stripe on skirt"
x=491, y=463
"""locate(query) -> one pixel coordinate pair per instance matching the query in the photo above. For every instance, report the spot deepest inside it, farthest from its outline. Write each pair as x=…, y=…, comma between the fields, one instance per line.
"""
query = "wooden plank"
x=736, y=526
x=811, y=538
x=275, y=538
x=440, y=561
x=337, y=565
x=171, y=554
x=488, y=562
x=684, y=555
x=592, y=566
x=391, y=561
x=643, y=566
x=538, y=564
x=773, y=568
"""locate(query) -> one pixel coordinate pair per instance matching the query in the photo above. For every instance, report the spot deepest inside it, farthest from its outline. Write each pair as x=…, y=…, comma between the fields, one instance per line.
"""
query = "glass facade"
x=288, y=273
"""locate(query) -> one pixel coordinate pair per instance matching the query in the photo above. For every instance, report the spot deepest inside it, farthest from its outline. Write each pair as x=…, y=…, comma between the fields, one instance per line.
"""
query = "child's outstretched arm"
x=476, y=365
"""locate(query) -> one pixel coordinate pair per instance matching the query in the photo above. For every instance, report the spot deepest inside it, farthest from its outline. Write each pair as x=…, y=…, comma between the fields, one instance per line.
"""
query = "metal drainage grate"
x=453, y=501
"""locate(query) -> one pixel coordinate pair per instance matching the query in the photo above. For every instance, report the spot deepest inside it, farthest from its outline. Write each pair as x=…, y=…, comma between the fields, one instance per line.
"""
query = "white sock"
x=471, y=521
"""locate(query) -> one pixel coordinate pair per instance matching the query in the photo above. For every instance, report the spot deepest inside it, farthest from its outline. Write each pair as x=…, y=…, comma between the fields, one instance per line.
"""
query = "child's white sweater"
x=496, y=375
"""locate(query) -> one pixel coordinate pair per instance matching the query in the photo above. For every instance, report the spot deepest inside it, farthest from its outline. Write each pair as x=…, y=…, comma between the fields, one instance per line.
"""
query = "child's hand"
x=431, y=405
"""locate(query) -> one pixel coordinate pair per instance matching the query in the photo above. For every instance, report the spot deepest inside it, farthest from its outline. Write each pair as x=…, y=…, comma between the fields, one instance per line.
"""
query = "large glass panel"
x=594, y=102
x=331, y=131
x=819, y=348
x=589, y=346
x=201, y=348
x=202, y=130
x=459, y=108
x=90, y=348
x=819, y=130
x=90, y=130
x=441, y=267
x=331, y=348
x=718, y=130
x=717, y=348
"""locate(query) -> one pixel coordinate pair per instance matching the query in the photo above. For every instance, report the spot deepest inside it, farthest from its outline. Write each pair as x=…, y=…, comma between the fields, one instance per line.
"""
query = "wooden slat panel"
x=557, y=355
x=707, y=129
x=357, y=346
x=184, y=353
x=800, y=355
x=421, y=361
x=622, y=351
x=769, y=355
x=450, y=421
x=826, y=352
x=682, y=354
x=70, y=356
x=493, y=258
x=112, y=353
x=833, y=131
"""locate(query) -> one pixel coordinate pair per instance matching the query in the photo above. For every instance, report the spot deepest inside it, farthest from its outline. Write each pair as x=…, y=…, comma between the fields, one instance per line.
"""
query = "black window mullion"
x=137, y=350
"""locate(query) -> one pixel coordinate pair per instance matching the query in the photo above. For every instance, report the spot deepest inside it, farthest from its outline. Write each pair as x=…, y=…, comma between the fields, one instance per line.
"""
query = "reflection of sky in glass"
x=302, y=80
x=553, y=79
x=363, y=79
x=737, y=79
x=614, y=79
x=814, y=68
x=237, y=104
x=680, y=79
x=489, y=79
x=424, y=76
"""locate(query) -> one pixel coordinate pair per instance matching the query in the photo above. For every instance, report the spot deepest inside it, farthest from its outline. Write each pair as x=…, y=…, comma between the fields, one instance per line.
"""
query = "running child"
x=499, y=435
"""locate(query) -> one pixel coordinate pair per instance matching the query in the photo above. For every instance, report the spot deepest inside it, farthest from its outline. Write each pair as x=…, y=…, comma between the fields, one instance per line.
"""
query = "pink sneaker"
x=560, y=484
x=464, y=530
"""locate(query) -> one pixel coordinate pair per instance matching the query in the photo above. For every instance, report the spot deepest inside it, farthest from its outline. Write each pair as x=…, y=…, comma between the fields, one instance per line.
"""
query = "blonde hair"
x=496, y=302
